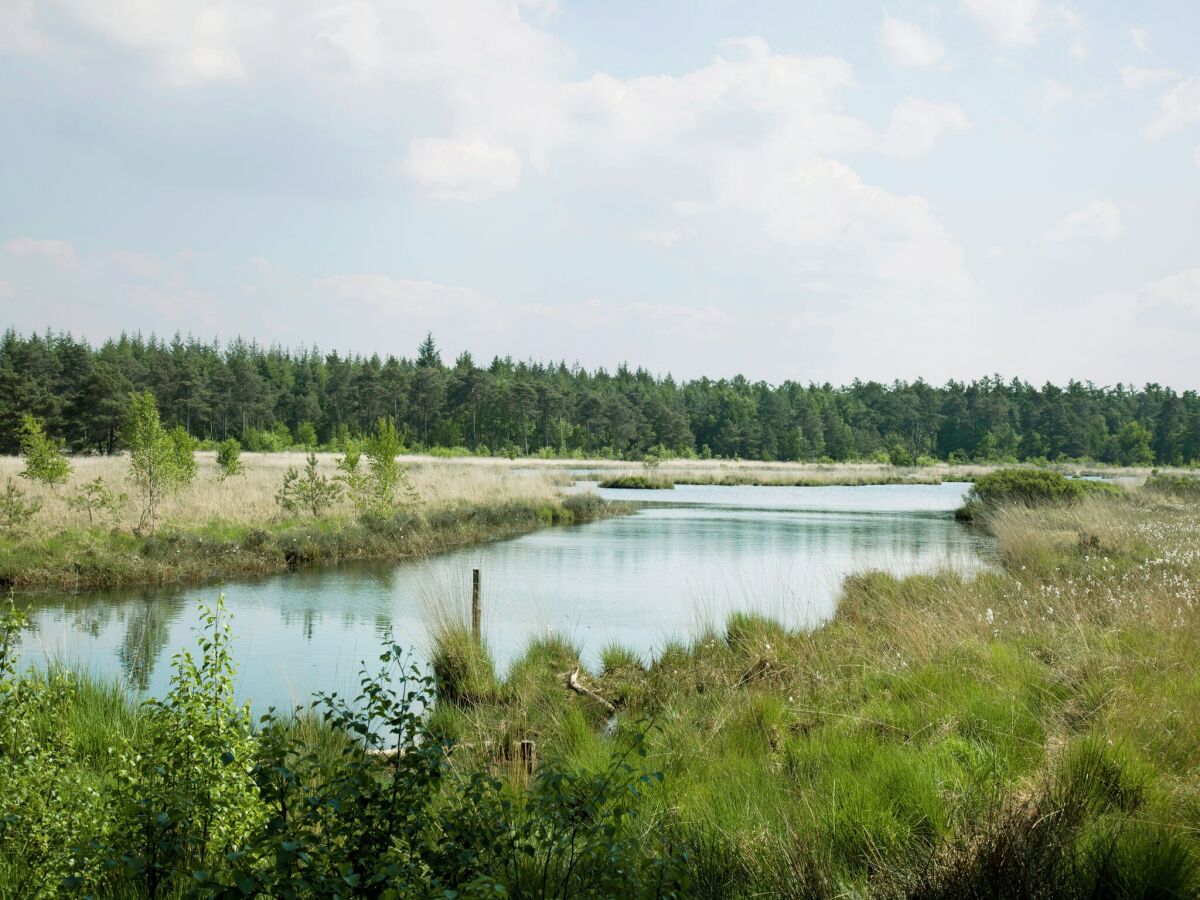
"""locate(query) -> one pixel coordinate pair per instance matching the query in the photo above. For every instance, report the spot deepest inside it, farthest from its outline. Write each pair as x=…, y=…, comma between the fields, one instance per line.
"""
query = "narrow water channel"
x=687, y=558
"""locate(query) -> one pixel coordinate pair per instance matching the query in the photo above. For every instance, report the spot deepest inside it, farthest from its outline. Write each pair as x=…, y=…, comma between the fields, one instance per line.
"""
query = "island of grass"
x=638, y=482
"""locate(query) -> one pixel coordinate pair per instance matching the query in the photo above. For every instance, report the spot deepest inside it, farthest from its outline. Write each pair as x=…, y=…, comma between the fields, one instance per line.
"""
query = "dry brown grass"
x=250, y=498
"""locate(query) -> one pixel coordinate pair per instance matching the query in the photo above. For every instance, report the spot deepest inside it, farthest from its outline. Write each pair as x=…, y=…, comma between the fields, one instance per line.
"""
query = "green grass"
x=940, y=735
x=80, y=558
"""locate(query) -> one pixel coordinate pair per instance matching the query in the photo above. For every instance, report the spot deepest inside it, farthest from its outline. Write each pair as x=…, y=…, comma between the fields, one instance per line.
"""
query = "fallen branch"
x=578, y=687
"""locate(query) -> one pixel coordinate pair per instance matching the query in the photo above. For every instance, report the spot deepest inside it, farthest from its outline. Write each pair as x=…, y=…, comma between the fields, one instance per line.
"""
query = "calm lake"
x=687, y=558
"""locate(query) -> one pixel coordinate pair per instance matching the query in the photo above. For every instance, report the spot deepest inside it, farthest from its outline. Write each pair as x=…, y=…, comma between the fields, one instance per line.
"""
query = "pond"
x=685, y=559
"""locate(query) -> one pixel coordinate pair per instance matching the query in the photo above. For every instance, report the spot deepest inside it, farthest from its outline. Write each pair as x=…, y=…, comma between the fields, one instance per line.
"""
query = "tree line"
x=272, y=398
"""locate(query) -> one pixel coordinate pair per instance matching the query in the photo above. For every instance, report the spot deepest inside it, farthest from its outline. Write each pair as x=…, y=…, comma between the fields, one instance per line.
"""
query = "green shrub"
x=901, y=457
x=160, y=461
x=97, y=498
x=43, y=457
x=351, y=798
x=306, y=435
x=229, y=459
x=1183, y=486
x=1028, y=486
x=638, y=482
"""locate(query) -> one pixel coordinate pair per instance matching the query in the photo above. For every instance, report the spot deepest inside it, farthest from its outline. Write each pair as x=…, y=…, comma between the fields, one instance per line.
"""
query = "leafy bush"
x=311, y=491
x=901, y=457
x=229, y=459
x=185, y=797
x=1028, y=486
x=275, y=440
x=359, y=800
x=44, y=458
x=306, y=435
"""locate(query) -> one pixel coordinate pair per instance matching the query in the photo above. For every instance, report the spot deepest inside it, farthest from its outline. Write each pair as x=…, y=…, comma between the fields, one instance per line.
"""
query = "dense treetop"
x=270, y=398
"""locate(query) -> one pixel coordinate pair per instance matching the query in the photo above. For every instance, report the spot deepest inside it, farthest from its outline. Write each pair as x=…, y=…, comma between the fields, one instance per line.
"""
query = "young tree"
x=15, y=510
x=96, y=497
x=229, y=459
x=310, y=491
x=160, y=461
x=43, y=456
x=374, y=492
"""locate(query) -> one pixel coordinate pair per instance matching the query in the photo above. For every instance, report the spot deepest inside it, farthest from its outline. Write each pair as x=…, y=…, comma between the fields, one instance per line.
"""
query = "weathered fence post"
x=476, y=609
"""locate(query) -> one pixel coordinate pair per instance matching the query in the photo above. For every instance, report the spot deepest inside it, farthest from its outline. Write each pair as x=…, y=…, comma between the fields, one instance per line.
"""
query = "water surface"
x=685, y=559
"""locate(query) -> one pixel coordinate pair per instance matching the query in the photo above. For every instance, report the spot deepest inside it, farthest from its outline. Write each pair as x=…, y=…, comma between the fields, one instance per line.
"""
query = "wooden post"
x=476, y=609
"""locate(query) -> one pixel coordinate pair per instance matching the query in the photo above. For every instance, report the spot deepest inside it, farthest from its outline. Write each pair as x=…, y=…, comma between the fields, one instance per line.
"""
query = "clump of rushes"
x=639, y=482
x=463, y=672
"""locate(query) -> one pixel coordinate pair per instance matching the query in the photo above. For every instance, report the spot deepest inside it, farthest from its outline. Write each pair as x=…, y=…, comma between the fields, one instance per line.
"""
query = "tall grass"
x=1029, y=731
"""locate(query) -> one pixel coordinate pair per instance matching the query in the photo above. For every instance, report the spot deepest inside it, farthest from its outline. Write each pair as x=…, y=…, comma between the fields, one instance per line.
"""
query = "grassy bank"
x=233, y=527
x=1032, y=731
x=81, y=557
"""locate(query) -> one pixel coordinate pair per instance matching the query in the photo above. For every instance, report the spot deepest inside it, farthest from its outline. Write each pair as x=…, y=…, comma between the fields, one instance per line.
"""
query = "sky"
x=816, y=192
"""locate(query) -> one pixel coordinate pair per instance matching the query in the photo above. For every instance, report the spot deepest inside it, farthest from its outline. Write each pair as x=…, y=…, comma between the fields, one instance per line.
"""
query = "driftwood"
x=574, y=684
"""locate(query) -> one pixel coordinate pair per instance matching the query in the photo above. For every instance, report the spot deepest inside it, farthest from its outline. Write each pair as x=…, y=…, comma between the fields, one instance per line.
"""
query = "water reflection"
x=639, y=580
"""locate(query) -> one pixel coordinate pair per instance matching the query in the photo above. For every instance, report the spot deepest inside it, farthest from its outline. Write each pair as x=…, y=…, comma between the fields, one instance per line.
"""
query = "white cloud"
x=1078, y=49
x=58, y=253
x=664, y=238
x=916, y=125
x=462, y=169
x=139, y=265
x=457, y=307
x=18, y=28
x=1140, y=38
x=1008, y=22
x=909, y=45
x=744, y=149
x=751, y=153
x=1171, y=301
x=1136, y=78
x=1177, y=109
x=7, y=291
x=1099, y=220
x=1052, y=94
x=1196, y=157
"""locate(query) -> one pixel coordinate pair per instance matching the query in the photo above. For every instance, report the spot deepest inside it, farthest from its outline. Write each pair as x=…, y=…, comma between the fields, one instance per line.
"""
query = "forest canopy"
x=274, y=398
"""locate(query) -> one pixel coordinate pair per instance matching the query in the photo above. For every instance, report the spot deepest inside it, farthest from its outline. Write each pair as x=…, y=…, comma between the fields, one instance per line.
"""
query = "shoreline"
x=85, y=559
